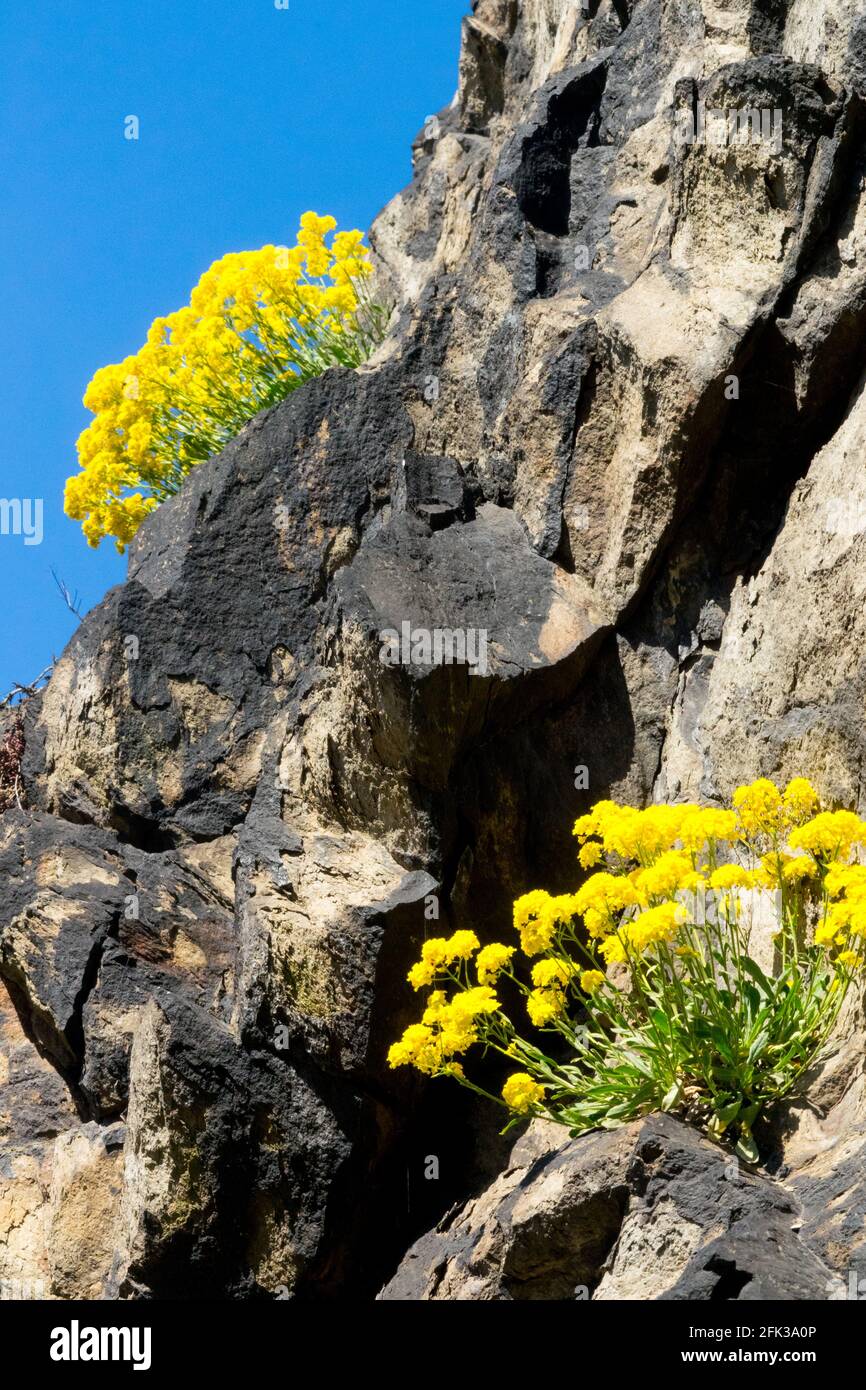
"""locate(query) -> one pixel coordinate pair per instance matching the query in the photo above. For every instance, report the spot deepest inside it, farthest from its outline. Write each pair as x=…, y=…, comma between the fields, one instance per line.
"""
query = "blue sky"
x=249, y=115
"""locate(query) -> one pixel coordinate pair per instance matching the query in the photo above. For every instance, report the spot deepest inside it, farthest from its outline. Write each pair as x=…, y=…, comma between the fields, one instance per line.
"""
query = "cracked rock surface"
x=649, y=1211
x=618, y=425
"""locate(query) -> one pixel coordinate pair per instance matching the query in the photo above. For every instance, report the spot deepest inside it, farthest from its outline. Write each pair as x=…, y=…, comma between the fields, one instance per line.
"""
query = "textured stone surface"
x=617, y=426
x=650, y=1211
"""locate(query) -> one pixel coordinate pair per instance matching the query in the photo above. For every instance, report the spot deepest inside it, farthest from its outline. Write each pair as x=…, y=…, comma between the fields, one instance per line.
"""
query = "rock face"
x=650, y=1211
x=612, y=444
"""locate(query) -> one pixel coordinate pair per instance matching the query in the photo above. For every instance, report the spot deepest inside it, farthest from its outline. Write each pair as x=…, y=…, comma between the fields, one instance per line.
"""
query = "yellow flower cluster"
x=258, y=324
x=447, y=1028
x=591, y=981
x=705, y=825
x=440, y=952
x=672, y=872
x=657, y=924
x=764, y=810
x=629, y=833
x=831, y=835
x=521, y=1093
x=602, y=898
x=731, y=876
x=639, y=908
x=537, y=916
x=675, y=849
x=492, y=960
x=547, y=1000
x=846, y=884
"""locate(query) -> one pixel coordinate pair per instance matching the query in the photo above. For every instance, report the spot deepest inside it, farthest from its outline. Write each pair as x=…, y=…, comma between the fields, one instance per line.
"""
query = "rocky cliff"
x=618, y=427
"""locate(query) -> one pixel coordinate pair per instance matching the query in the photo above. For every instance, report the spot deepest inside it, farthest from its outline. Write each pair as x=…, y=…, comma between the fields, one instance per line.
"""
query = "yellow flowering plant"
x=259, y=324
x=643, y=976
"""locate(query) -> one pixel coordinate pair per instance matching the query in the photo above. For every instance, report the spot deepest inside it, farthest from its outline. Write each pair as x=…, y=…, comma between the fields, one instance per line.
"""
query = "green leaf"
x=673, y=1097
x=746, y=1148
x=722, y=1045
x=723, y=1116
x=752, y=968
x=752, y=998
x=758, y=1046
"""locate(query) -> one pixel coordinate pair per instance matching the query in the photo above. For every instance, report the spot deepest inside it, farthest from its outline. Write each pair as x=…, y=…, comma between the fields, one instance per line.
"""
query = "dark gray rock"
x=650, y=1211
